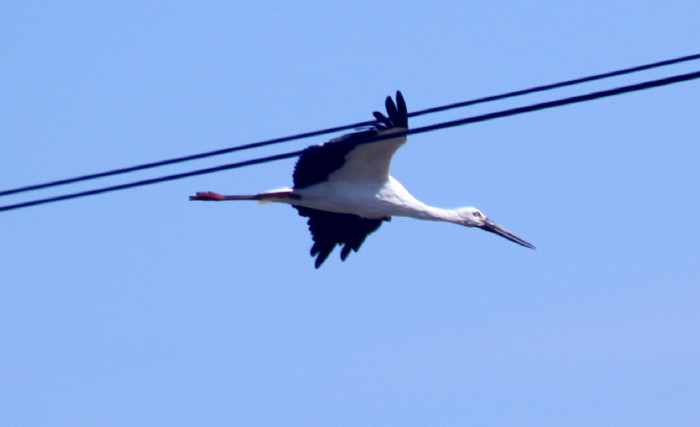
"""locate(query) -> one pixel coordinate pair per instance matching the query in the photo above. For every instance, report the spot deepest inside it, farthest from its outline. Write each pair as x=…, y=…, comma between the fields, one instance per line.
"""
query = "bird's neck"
x=402, y=203
x=432, y=213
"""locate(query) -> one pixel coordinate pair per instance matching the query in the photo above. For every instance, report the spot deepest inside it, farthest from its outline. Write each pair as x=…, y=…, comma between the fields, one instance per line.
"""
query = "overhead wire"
x=350, y=126
x=480, y=118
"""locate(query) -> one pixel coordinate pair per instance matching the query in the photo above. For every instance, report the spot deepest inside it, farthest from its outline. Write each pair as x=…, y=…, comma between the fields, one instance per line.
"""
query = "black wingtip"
x=385, y=122
x=391, y=109
x=396, y=111
x=321, y=258
x=401, y=103
x=345, y=252
x=321, y=253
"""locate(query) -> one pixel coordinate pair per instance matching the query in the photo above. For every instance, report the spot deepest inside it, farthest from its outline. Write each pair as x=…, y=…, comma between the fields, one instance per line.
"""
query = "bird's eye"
x=477, y=214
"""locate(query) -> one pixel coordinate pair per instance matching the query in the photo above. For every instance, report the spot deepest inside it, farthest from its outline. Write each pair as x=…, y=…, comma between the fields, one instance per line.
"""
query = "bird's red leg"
x=207, y=195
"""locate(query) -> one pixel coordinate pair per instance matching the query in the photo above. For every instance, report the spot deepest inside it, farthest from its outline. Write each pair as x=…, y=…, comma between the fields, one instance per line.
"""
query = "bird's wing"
x=329, y=229
x=350, y=157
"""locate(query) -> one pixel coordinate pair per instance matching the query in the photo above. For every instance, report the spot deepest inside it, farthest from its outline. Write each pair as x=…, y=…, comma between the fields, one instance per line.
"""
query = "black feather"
x=391, y=107
x=386, y=123
x=329, y=229
x=401, y=119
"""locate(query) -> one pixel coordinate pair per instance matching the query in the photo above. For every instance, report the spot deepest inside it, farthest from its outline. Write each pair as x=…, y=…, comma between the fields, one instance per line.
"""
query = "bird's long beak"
x=495, y=228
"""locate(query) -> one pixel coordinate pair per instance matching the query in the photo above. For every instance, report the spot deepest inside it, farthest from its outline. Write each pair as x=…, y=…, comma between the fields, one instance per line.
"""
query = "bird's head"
x=473, y=217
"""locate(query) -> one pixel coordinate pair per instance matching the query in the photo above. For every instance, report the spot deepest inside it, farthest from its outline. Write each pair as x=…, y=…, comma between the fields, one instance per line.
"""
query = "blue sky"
x=141, y=308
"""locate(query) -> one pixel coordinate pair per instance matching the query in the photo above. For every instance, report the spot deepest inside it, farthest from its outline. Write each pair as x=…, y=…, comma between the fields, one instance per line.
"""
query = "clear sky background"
x=141, y=308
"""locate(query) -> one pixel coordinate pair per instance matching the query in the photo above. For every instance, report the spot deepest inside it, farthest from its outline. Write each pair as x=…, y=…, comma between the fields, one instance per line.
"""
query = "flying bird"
x=344, y=188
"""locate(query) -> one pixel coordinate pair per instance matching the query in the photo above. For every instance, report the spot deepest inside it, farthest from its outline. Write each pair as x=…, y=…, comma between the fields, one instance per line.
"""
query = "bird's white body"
x=368, y=199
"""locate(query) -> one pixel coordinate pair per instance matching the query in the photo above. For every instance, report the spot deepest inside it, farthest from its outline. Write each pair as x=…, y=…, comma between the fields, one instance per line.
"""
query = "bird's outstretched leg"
x=207, y=195
x=215, y=197
x=261, y=197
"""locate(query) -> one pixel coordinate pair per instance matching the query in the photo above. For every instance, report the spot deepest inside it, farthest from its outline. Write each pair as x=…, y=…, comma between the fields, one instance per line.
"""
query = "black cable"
x=481, y=118
x=150, y=181
x=351, y=126
x=558, y=85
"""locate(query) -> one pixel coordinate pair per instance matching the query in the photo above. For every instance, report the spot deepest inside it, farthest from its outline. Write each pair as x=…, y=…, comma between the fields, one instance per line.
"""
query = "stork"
x=344, y=188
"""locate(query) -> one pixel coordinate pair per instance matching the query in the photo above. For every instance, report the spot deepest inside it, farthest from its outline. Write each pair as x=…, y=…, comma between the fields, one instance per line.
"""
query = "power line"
x=151, y=181
x=559, y=85
x=350, y=126
x=444, y=125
